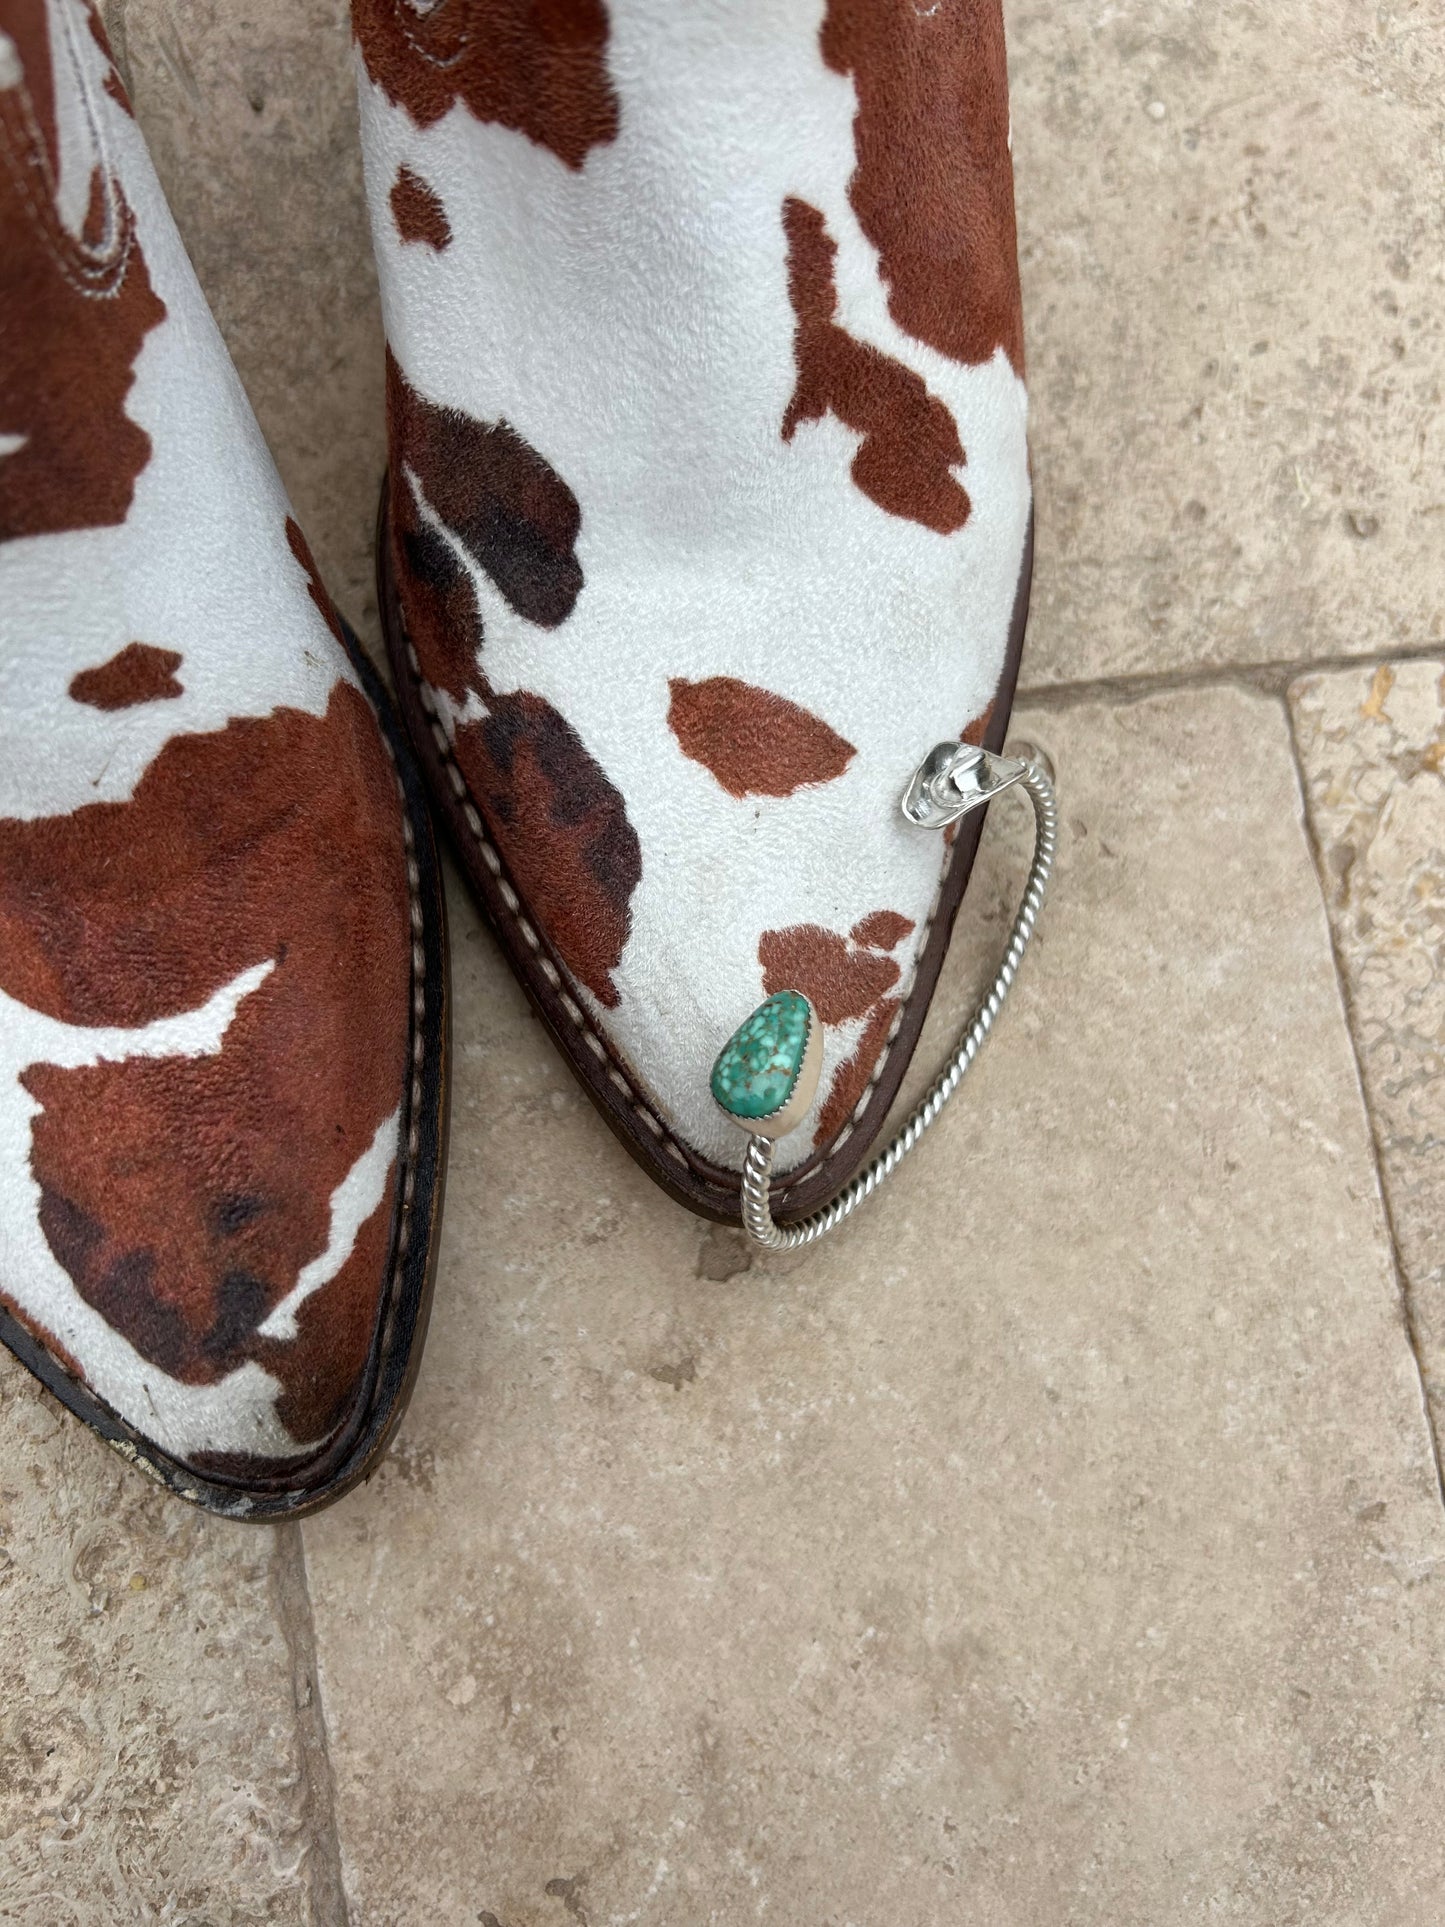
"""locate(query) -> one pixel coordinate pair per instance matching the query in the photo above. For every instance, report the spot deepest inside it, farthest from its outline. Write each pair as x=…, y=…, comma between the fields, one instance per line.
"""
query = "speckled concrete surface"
x=1234, y=266
x=1012, y=1559
x=1372, y=746
x=1062, y=1547
x=153, y=1758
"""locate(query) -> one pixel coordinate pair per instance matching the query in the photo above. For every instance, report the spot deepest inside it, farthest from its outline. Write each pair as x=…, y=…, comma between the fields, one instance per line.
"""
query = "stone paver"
x=1372, y=745
x=151, y=1756
x=1060, y=1544
x=1233, y=263
x=249, y=108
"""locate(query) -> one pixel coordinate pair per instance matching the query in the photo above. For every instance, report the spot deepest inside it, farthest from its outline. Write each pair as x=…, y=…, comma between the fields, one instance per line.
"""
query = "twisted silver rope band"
x=758, y=1165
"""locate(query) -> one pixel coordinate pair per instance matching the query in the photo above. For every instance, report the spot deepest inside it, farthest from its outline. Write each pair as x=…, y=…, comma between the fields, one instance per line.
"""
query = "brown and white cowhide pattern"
x=204, y=916
x=709, y=477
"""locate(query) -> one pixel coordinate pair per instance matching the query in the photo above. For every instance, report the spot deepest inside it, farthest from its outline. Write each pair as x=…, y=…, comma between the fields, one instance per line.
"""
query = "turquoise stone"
x=758, y=1066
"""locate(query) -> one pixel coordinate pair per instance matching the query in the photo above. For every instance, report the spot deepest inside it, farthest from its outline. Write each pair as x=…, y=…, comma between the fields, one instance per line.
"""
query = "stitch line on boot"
x=414, y=31
x=92, y=272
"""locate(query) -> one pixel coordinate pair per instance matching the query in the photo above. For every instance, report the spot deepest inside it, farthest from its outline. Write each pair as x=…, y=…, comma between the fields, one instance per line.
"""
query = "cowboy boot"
x=222, y=992
x=708, y=518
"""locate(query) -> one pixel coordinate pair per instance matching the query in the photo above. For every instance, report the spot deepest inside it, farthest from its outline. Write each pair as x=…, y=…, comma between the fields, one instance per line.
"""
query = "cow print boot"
x=708, y=519
x=222, y=995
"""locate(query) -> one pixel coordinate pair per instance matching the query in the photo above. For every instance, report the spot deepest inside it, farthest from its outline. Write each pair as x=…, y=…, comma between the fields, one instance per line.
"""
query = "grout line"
x=326, y=1889
x=1382, y=1181
x=1268, y=678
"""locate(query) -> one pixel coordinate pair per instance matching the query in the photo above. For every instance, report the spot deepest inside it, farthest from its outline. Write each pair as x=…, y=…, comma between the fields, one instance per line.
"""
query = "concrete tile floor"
x=1063, y=1545
x=1233, y=253
x=1372, y=749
